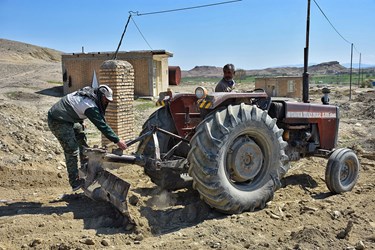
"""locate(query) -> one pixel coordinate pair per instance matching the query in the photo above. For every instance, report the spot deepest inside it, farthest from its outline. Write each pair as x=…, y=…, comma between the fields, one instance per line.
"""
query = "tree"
x=240, y=75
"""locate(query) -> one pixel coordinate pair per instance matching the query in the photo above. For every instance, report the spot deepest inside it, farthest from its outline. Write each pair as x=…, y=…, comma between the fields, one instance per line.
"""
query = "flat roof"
x=153, y=52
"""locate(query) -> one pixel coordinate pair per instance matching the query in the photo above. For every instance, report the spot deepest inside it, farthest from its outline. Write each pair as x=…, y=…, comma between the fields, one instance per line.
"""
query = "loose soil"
x=38, y=210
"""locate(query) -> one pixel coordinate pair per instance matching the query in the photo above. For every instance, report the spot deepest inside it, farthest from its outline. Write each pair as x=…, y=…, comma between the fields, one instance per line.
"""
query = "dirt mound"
x=310, y=237
x=33, y=147
x=12, y=51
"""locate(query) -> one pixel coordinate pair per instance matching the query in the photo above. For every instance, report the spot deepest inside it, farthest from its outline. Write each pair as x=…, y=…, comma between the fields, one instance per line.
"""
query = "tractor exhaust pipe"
x=305, y=80
x=305, y=76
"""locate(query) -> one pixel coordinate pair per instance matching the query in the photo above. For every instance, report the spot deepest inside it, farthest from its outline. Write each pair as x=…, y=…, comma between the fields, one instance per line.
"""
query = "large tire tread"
x=165, y=178
x=206, y=144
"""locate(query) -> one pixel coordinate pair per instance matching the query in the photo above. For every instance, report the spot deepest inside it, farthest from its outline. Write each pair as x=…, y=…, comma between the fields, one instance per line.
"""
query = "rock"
x=133, y=200
x=274, y=216
x=59, y=175
x=297, y=247
x=360, y=246
x=105, y=242
x=61, y=246
x=358, y=124
x=216, y=245
x=42, y=224
x=36, y=242
x=308, y=208
x=137, y=242
x=139, y=237
x=345, y=233
x=24, y=246
x=264, y=244
x=341, y=235
x=25, y=157
x=129, y=227
x=87, y=241
x=335, y=215
x=349, y=211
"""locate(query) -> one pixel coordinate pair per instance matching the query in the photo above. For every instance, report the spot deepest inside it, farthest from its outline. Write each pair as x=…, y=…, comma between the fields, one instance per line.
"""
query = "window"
x=291, y=86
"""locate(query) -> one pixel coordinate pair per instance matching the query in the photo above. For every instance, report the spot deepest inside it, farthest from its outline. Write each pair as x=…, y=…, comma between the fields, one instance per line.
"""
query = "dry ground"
x=38, y=211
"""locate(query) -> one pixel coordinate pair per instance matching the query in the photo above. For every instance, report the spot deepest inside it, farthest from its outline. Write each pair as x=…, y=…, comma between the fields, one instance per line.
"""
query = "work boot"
x=77, y=184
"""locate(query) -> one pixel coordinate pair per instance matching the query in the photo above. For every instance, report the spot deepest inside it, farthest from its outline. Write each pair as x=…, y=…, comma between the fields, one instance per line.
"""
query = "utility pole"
x=359, y=69
x=351, y=70
x=305, y=76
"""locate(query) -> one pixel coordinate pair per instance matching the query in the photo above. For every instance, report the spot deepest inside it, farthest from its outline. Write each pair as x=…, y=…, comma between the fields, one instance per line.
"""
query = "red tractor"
x=234, y=148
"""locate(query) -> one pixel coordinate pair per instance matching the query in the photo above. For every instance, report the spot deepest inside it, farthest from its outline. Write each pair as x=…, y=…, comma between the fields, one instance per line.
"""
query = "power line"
x=131, y=13
x=331, y=23
x=355, y=48
x=180, y=9
x=140, y=32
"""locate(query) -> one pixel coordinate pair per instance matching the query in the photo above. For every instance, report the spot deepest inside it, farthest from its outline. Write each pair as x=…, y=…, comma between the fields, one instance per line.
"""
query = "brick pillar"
x=119, y=76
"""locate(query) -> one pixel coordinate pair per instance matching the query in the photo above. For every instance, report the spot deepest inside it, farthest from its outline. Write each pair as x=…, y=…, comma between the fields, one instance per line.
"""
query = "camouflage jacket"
x=74, y=108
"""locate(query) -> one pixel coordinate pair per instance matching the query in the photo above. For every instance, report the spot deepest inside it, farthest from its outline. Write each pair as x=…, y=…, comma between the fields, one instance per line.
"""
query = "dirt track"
x=38, y=211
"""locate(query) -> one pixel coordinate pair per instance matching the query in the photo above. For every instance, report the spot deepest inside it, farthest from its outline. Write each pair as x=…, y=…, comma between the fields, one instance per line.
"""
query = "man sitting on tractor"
x=227, y=83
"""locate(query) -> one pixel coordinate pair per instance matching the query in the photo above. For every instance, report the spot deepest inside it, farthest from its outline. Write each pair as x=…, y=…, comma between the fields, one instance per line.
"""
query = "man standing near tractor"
x=65, y=120
x=227, y=83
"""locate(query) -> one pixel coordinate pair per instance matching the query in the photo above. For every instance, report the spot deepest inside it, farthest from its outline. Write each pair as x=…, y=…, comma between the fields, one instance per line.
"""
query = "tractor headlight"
x=201, y=92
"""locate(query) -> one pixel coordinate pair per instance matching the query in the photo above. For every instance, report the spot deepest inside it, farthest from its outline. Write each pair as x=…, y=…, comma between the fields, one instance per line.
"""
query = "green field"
x=336, y=79
x=342, y=79
x=197, y=80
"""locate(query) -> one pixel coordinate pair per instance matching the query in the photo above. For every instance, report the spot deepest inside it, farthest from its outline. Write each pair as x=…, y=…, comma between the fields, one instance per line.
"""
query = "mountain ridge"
x=20, y=52
x=331, y=67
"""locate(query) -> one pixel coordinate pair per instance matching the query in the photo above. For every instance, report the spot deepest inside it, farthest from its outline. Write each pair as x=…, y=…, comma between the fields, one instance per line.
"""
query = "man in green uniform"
x=65, y=120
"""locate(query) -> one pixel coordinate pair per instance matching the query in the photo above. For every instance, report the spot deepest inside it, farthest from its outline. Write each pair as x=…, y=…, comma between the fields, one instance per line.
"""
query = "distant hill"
x=203, y=71
x=328, y=68
x=18, y=52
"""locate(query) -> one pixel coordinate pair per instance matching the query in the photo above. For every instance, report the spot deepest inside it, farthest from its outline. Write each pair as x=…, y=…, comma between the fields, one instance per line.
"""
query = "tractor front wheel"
x=342, y=171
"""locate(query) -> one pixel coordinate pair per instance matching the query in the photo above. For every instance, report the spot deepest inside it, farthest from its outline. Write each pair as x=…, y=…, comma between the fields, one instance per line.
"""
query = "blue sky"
x=251, y=34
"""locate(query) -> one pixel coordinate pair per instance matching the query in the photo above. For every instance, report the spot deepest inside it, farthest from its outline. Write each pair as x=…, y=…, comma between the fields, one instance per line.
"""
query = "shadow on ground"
x=302, y=180
x=99, y=216
x=306, y=182
x=165, y=212
x=56, y=91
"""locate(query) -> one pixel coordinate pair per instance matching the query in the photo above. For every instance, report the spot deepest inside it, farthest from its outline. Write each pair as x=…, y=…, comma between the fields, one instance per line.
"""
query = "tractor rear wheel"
x=237, y=158
x=342, y=170
x=165, y=178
